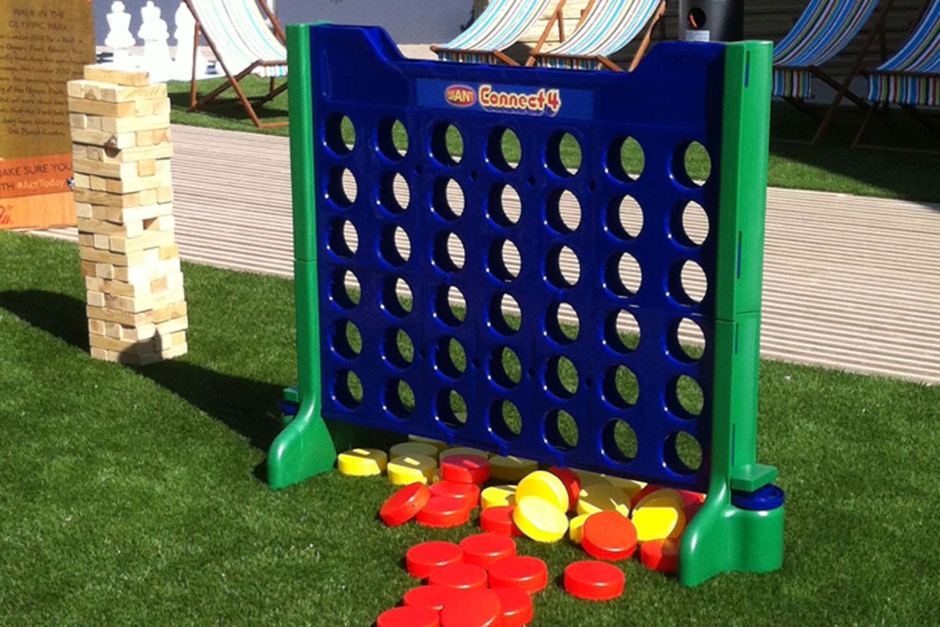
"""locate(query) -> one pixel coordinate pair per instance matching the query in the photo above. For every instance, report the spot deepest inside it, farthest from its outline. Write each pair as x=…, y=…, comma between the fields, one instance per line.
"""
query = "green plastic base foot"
x=723, y=538
x=303, y=449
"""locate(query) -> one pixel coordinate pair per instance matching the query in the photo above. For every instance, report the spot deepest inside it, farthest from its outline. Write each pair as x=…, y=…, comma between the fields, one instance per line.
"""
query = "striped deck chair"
x=243, y=44
x=608, y=26
x=501, y=25
x=911, y=78
x=823, y=30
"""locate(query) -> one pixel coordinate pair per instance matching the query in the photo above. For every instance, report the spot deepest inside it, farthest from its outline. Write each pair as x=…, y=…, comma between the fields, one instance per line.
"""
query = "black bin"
x=711, y=20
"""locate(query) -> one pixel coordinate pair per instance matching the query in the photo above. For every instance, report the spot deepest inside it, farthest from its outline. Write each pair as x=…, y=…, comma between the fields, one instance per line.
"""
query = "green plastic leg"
x=724, y=538
x=303, y=449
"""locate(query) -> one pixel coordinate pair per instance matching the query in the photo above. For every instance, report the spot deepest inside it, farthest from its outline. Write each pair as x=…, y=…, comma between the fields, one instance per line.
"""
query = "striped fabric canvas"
x=912, y=76
x=824, y=29
x=241, y=36
x=609, y=28
x=498, y=27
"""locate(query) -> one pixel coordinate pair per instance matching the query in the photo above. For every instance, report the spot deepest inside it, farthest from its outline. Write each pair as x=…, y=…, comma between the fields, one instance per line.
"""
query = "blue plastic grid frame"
x=359, y=74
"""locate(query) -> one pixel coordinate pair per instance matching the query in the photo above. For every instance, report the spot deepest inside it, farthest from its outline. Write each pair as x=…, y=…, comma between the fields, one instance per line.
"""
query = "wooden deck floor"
x=849, y=282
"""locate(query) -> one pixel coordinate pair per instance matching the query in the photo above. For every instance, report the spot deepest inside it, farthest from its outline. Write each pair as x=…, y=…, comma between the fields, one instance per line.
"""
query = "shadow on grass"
x=230, y=107
x=244, y=405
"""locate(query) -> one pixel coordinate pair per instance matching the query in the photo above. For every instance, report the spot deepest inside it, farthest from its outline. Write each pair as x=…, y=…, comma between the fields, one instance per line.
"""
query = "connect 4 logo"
x=498, y=99
x=460, y=96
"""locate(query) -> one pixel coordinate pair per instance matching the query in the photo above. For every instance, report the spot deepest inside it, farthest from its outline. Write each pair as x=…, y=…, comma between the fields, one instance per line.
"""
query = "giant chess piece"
x=154, y=32
x=185, y=31
x=119, y=38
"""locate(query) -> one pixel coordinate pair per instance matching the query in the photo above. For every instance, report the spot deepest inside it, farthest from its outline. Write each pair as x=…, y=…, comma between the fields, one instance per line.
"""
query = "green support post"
x=723, y=537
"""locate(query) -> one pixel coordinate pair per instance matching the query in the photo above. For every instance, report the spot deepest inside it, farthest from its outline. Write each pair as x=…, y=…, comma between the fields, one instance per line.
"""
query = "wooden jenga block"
x=117, y=77
x=152, y=123
x=103, y=138
x=128, y=155
x=110, y=92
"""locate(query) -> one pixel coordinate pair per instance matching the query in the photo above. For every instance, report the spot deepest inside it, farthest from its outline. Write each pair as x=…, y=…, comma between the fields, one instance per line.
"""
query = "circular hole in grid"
x=619, y=441
x=561, y=430
x=342, y=188
x=394, y=192
x=395, y=245
x=343, y=239
x=448, y=200
x=621, y=388
x=451, y=408
x=345, y=290
x=393, y=139
x=692, y=165
x=398, y=399
x=505, y=367
x=563, y=155
x=505, y=419
x=687, y=340
x=623, y=275
x=690, y=283
x=504, y=261
x=447, y=144
x=561, y=377
x=625, y=159
x=695, y=225
x=449, y=253
x=450, y=305
x=503, y=149
x=562, y=323
x=563, y=212
x=685, y=397
x=683, y=453
x=562, y=267
x=398, y=349
x=347, y=340
x=450, y=358
x=340, y=133
x=505, y=206
x=505, y=314
x=625, y=217
x=347, y=389
x=397, y=297
x=622, y=331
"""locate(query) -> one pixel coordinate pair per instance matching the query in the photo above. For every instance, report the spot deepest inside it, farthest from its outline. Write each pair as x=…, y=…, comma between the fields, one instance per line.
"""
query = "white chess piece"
x=185, y=31
x=154, y=32
x=119, y=38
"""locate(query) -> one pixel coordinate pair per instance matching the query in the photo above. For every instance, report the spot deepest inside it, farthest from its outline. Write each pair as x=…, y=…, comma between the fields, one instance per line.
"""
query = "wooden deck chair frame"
x=843, y=89
x=234, y=80
x=655, y=19
x=557, y=16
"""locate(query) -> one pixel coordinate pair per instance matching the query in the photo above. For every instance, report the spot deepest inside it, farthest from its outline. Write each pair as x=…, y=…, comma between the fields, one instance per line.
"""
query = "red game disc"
x=443, y=511
x=422, y=558
x=515, y=606
x=529, y=574
x=498, y=520
x=459, y=576
x=465, y=468
x=572, y=484
x=594, y=581
x=408, y=617
x=608, y=536
x=433, y=597
x=484, y=549
x=472, y=608
x=404, y=504
x=660, y=555
x=691, y=498
x=469, y=493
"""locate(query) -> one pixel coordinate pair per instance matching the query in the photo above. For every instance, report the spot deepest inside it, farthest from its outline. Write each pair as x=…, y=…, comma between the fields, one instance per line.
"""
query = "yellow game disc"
x=403, y=449
x=658, y=523
x=629, y=486
x=411, y=469
x=575, y=530
x=498, y=496
x=662, y=498
x=362, y=462
x=438, y=444
x=590, y=478
x=600, y=497
x=539, y=519
x=544, y=485
x=462, y=450
x=511, y=468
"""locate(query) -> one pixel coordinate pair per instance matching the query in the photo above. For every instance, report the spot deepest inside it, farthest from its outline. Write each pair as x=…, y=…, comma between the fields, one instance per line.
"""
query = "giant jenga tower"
x=124, y=199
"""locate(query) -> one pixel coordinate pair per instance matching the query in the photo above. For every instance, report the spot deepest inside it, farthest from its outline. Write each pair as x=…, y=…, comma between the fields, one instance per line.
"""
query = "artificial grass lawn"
x=133, y=496
x=830, y=166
